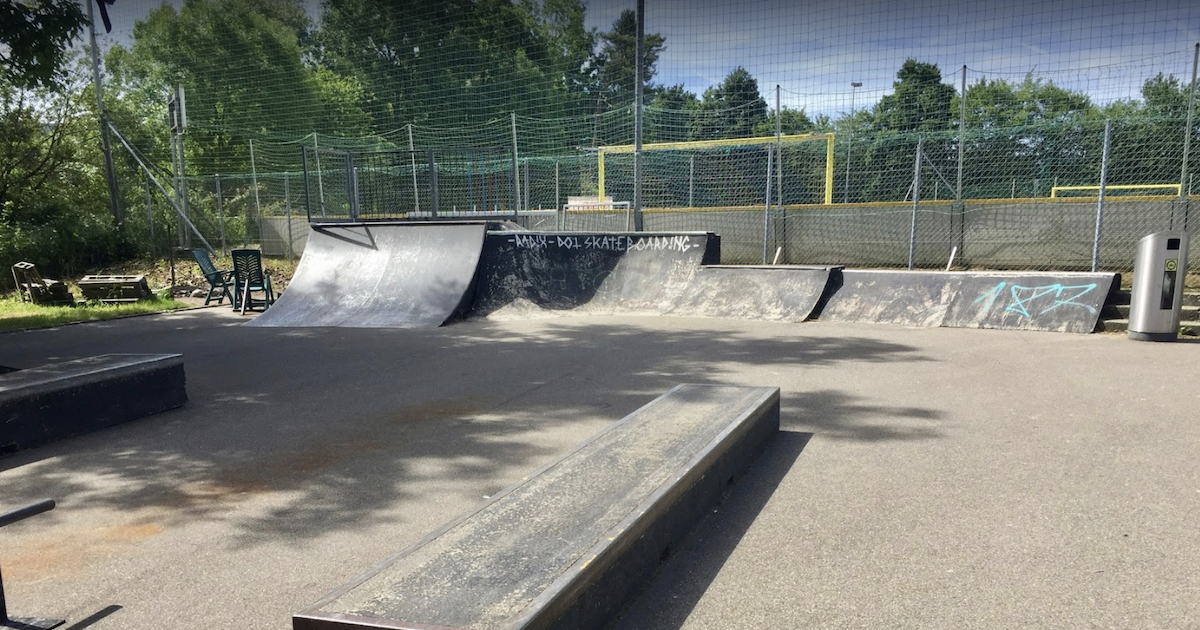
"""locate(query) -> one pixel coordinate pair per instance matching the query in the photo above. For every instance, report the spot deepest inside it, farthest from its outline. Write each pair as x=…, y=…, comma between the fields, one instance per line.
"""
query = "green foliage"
x=52, y=194
x=34, y=40
x=617, y=65
x=241, y=63
x=731, y=109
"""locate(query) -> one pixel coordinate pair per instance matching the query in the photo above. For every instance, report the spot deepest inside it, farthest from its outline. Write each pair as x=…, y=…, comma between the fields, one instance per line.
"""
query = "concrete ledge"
x=570, y=544
x=48, y=403
x=1009, y=300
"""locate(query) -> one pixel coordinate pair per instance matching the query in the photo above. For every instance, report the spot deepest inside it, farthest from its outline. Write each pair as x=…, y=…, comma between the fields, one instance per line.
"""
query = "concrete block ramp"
x=423, y=275
x=525, y=274
x=1052, y=301
x=568, y=546
x=413, y=275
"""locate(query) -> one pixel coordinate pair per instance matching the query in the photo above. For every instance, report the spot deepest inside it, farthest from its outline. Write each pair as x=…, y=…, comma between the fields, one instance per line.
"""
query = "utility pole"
x=110, y=176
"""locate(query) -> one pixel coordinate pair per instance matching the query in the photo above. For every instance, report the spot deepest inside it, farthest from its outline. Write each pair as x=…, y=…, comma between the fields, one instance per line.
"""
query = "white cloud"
x=814, y=49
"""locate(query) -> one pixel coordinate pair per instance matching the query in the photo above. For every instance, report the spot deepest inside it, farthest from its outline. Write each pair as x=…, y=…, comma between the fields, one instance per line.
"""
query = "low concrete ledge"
x=48, y=403
x=570, y=544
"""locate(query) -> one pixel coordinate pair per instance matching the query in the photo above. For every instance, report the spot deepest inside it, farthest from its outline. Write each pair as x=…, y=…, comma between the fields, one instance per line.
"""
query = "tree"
x=920, y=105
x=1150, y=134
x=52, y=196
x=791, y=121
x=668, y=115
x=616, y=62
x=241, y=64
x=458, y=62
x=34, y=38
x=1021, y=137
x=731, y=109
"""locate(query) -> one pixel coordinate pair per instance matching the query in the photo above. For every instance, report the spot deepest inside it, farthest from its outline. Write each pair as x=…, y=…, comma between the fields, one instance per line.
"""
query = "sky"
x=815, y=49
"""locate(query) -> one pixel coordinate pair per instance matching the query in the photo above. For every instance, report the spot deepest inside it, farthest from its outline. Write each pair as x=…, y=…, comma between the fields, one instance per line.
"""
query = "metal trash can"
x=1158, y=272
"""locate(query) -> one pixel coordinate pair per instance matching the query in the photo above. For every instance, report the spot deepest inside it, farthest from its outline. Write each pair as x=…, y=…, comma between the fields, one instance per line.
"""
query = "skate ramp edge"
x=380, y=275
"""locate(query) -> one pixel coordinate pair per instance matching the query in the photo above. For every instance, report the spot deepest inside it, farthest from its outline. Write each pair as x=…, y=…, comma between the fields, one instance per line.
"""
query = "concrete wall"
x=992, y=234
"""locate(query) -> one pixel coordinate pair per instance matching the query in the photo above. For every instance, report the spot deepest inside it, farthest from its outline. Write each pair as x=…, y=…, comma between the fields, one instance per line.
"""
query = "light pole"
x=850, y=140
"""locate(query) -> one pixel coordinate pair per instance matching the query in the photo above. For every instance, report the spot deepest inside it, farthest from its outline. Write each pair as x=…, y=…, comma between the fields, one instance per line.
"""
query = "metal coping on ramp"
x=59, y=400
x=380, y=275
x=570, y=544
x=1046, y=301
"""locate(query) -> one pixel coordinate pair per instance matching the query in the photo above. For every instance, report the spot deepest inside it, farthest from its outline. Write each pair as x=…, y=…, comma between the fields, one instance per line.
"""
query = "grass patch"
x=18, y=315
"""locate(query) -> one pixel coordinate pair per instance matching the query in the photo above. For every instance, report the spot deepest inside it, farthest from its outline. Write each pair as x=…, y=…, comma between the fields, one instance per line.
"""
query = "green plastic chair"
x=249, y=278
x=217, y=279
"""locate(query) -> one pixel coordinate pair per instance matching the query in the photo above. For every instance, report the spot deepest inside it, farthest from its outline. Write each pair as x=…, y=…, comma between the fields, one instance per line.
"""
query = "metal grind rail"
x=24, y=623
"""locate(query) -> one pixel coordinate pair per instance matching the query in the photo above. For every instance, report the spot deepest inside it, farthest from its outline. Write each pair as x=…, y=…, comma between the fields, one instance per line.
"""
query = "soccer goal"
x=729, y=172
x=586, y=213
x=1083, y=190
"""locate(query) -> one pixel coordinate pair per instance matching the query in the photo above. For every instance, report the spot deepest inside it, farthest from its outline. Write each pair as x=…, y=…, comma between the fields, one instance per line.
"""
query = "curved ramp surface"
x=380, y=276
x=524, y=274
x=1008, y=300
x=774, y=293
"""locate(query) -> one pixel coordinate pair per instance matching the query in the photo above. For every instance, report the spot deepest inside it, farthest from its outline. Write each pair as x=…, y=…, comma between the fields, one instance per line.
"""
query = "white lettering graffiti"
x=612, y=243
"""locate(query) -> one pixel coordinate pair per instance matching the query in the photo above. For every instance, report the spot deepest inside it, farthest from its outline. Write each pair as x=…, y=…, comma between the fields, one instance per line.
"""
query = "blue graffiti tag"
x=1023, y=297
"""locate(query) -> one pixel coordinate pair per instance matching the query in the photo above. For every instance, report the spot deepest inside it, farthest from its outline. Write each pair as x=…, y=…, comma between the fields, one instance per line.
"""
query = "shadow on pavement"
x=682, y=580
x=338, y=425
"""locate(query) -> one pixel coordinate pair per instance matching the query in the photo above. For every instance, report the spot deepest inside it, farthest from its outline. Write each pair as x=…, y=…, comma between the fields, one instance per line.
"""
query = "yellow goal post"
x=1178, y=188
x=691, y=145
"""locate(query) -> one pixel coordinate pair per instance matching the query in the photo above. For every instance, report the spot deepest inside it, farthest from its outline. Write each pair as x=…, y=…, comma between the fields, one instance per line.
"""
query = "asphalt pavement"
x=926, y=478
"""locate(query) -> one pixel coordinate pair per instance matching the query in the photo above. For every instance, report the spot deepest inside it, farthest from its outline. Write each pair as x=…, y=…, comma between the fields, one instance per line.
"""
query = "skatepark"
x=924, y=473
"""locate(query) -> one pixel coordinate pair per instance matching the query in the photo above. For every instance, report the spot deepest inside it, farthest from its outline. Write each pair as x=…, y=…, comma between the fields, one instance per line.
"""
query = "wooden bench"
x=110, y=289
x=48, y=403
x=569, y=545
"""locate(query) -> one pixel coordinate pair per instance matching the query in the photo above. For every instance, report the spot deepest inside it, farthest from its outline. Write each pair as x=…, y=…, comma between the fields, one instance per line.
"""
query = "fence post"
x=692, y=181
x=516, y=168
x=1187, y=129
x=220, y=211
x=150, y=219
x=412, y=155
x=638, y=95
x=257, y=204
x=1100, y=203
x=287, y=209
x=779, y=161
x=962, y=143
x=767, y=207
x=435, y=203
x=912, y=237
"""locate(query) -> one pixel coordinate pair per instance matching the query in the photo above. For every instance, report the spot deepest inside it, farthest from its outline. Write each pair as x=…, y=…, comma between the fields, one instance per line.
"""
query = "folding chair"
x=248, y=278
x=217, y=279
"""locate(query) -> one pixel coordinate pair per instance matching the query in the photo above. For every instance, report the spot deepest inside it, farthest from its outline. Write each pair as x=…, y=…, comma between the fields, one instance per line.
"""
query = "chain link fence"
x=864, y=200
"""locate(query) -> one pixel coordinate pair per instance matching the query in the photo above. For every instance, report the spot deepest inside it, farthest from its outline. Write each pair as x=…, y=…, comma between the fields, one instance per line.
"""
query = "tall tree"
x=731, y=109
x=669, y=114
x=458, y=62
x=919, y=105
x=241, y=64
x=617, y=65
